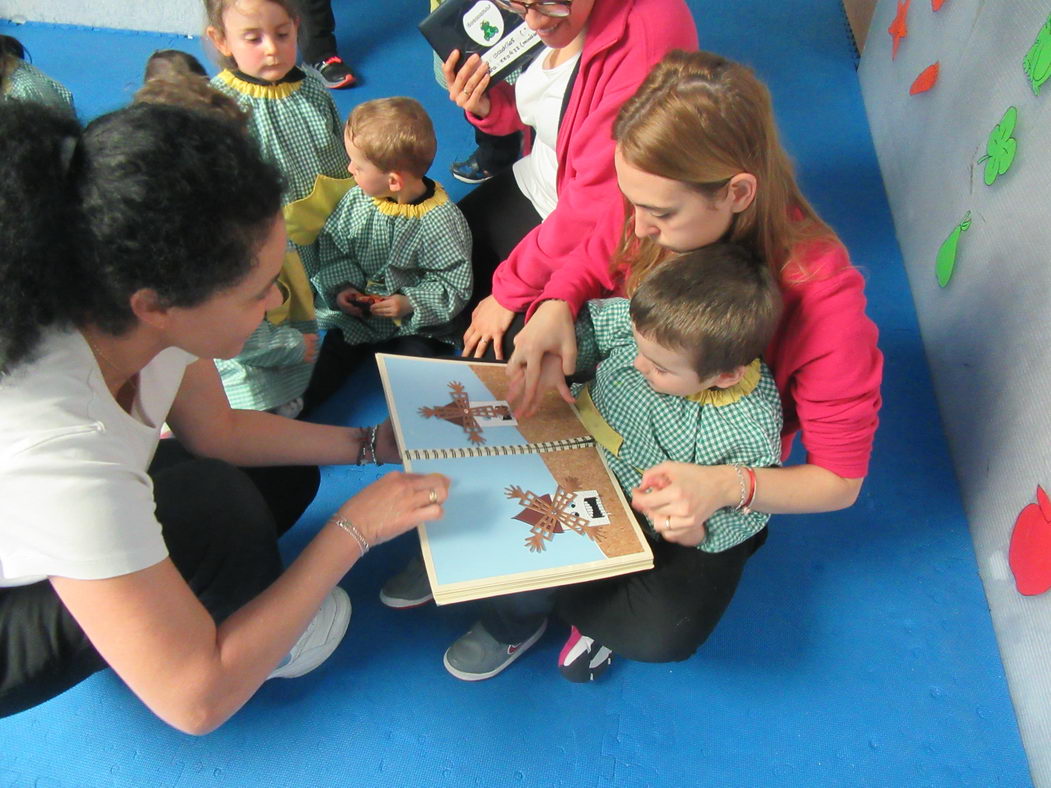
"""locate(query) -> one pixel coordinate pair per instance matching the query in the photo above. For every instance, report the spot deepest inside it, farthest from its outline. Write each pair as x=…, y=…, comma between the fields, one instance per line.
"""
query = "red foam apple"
x=1030, y=553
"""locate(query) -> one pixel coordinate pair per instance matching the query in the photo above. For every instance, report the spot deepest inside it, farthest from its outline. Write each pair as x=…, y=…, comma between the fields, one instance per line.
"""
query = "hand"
x=394, y=306
x=310, y=348
x=345, y=301
x=489, y=323
x=386, y=444
x=549, y=376
x=467, y=86
x=678, y=498
x=549, y=333
x=395, y=504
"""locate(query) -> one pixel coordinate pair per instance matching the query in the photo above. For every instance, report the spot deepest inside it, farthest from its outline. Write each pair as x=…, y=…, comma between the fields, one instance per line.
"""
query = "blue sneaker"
x=470, y=171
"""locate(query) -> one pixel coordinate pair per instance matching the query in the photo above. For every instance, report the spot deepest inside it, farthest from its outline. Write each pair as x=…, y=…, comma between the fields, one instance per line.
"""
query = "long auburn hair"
x=700, y=119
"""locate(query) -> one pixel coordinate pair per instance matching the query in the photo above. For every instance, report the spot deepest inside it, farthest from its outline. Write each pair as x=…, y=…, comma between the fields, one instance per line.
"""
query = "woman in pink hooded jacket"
x=560, y=203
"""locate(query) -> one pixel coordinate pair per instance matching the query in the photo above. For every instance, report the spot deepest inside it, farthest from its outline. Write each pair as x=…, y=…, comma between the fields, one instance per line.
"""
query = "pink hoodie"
x=568, y=255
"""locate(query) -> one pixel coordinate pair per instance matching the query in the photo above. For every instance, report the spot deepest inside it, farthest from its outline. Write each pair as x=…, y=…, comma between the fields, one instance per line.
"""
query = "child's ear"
x=395, y=182
x=218, y=41
x=726, y=379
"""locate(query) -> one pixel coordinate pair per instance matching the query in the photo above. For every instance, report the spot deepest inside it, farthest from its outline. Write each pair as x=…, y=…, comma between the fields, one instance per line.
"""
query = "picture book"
x=532, y=503
x=500, y=37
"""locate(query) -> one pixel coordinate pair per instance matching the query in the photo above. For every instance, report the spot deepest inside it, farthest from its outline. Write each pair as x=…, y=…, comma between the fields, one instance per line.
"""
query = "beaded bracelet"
x=350, y=528
x=368, y=442
x=748, y=488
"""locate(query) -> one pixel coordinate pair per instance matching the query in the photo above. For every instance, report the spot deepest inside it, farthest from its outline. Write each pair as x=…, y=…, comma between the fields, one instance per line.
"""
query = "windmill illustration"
x=548, y=515
x=461, y=412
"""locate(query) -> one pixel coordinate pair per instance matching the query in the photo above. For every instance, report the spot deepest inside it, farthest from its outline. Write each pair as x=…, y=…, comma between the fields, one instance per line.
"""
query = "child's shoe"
x=582, y=659
x=319, y=640
x=409, y=588
x=478, y=655
x=335, y=73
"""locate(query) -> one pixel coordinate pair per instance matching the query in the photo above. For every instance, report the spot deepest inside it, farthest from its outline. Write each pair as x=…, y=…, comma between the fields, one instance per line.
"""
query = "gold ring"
x=433, y=496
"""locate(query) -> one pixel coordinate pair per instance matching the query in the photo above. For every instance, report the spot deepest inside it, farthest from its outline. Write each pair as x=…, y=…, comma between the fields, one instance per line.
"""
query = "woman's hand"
x=467, y=86
x=395, y=504
x=549, y=333
x=550, y=376
x=678, y=498
x=489, y=323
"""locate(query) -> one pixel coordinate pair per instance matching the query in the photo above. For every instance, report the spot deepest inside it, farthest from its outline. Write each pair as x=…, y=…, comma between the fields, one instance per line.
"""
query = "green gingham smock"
x=741, y=424
x=296, y=124
x=270, y=370
x=421, y=250
x=28, y=83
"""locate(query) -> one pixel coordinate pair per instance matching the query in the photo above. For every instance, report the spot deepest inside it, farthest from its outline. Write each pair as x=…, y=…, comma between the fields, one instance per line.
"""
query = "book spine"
x=495, y=451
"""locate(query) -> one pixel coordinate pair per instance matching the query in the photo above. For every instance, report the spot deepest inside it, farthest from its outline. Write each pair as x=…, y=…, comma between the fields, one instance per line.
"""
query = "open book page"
x=513, y=521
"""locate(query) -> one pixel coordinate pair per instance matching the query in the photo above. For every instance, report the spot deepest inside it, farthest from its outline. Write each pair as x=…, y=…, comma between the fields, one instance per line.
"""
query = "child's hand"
x=678, y=498
x=550, y=376
x=394, y=306
x=345, y=301
x=310, y=348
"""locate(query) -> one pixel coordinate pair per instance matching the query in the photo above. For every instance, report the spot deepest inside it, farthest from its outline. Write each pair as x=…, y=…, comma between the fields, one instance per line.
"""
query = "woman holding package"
x=559, y=204
x=116, y=548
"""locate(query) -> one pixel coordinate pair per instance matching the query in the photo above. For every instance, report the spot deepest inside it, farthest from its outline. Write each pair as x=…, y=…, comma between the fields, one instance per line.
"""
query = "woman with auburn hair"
x=698, y=159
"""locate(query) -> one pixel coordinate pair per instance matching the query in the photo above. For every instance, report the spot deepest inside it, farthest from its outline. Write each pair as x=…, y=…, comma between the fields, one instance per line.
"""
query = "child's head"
x=169, y=62
x=701, y=317
x=11, y=52
x=390, y=141
x=258, y=37
x=191, y=91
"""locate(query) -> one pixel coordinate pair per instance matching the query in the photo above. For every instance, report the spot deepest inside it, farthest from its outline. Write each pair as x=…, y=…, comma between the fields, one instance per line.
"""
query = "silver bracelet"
x=742, y=485
x=350, y=528
x=368, y=441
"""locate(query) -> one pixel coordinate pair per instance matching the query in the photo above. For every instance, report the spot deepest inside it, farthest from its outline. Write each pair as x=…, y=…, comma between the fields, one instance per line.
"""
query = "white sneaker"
x=322, y=635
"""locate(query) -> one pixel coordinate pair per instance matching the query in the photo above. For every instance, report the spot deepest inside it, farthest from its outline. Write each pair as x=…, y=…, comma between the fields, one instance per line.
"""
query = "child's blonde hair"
x=719, y=304
x=700, y=119
x=214, y=9
x=193, y=92
x=166, y=62
x=395, y=134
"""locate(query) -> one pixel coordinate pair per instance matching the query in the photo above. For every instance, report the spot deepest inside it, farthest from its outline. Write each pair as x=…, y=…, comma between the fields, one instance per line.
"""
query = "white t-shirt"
x=75, y=498
x=539, y=93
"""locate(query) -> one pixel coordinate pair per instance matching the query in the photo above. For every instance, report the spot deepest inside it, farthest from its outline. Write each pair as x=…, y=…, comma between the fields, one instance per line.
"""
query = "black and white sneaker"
x=582, y=659
x=335, y=73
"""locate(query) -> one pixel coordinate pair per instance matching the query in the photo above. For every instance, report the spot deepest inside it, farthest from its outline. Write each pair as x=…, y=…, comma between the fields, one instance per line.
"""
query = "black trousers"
x=317, y=34
x=661, y=615
x=337, y=360
x=220, y=524
x=499, y=216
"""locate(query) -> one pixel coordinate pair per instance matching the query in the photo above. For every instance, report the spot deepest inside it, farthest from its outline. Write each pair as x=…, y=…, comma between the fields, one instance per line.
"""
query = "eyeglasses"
x=555, y=8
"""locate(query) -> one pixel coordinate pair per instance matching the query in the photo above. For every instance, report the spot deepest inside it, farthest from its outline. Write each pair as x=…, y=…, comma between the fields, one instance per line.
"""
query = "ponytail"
x=39, y=274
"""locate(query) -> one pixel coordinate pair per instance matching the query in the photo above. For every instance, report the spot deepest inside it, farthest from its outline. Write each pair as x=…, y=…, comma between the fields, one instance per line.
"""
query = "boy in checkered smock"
x=391, y=265
x=678, y=379
x=654, y=400
x=22, y=81
x=296, y=124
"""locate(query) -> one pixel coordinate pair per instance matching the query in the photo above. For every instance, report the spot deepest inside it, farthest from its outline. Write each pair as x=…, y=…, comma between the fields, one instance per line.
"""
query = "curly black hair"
x=148, y=197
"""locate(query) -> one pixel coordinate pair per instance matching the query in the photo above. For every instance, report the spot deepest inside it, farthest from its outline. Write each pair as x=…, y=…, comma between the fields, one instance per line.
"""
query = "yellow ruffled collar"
x=414, y=210
x=278, y=91
x=745, y=386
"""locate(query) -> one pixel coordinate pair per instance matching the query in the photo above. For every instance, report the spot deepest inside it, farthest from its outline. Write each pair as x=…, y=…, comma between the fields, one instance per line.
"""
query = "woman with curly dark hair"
x=134, y=252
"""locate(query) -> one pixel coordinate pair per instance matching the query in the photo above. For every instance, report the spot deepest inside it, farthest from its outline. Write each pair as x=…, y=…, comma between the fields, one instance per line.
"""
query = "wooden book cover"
x=532, y=502
x=501, y=38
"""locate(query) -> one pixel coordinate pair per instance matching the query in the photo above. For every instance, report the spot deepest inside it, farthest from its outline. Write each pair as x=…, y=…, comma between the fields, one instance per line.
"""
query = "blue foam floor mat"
x=858, y=650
